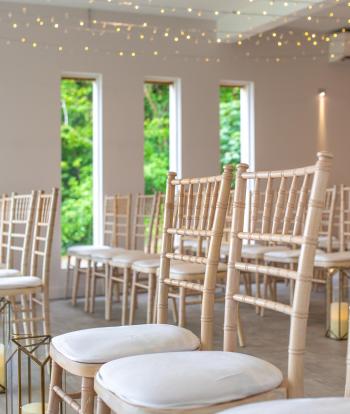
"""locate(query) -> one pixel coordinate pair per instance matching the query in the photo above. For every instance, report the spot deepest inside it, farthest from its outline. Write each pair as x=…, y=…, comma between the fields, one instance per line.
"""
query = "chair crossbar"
x=267, y=270
x=264, y=303
x=183, y=283
x=276, y=238
x=187, y=258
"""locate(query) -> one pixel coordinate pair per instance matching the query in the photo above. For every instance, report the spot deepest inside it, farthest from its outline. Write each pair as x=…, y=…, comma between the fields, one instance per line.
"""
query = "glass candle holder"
x=30, y=367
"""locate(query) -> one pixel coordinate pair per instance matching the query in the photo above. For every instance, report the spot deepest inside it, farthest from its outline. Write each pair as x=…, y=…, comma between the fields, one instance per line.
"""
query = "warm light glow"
x=322, y=128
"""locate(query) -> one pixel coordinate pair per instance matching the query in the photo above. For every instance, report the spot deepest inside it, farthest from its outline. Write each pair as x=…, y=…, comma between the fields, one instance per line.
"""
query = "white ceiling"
x=232, y=17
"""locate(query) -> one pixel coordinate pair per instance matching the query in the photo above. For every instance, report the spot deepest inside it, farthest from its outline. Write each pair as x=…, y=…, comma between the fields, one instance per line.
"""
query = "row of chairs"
x=26, y=233
x=136, y=270
x=159, y=368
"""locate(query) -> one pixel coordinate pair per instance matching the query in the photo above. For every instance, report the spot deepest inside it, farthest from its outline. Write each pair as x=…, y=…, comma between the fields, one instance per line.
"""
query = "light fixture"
x=321, y=93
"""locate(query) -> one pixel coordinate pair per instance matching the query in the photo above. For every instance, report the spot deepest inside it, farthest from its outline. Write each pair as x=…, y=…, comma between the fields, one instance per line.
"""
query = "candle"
x=2, y=365
x=339, y=315
x=33, y=408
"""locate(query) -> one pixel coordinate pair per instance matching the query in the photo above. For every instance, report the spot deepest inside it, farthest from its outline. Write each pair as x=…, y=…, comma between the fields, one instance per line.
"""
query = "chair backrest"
x=327, y=218
x=344, y=219
x=20, y=230
x=44, y=222
x=121, y=229
x=5, y=214
x=205, y=217
x=301, y=193
x=144, y=216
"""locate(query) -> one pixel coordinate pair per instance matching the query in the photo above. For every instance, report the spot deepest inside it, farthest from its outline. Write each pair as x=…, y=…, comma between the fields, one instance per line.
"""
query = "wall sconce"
x=322, y=93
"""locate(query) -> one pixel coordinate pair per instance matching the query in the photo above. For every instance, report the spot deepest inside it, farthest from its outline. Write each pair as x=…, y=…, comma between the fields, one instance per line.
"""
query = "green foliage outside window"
x=156, y=142
x=76, y=163
x=230, y=125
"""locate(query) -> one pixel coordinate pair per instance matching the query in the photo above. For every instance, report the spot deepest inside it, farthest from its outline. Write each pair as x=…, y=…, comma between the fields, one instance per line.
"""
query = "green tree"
x=156, y=141
x=230, y=125
x=76, y=162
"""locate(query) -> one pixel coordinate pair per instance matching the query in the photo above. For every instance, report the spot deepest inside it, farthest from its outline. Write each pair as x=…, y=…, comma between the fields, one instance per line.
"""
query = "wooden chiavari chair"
x=121, y=234
x=33, y=287
x=81, y=254
x=335, y=405
x=69, y=351
x=207, y=382
x=120, y=265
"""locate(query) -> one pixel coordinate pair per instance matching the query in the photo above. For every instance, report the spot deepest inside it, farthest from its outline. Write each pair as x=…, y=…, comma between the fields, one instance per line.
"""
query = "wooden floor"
x=266, y=337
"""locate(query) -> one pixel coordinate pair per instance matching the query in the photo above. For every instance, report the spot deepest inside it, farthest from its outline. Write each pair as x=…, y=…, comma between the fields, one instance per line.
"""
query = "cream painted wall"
x=286, y=116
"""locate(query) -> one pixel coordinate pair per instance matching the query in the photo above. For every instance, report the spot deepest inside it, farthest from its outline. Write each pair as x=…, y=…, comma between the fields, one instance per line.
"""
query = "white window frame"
x=247, y=120
x=97, y=154
x=175, y=121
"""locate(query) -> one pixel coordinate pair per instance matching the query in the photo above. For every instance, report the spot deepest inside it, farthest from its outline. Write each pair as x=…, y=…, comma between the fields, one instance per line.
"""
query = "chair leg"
x=87, y=286
x=46, y=312
x=108, y=308
x=102, y=408
x=125, y=295
x=25, y=314
x=87, y=395
x=56, y=381
x=240, y=329
x=106, y=281
x=76, y=277
x=264, y=294
x=133, y=299
x=175, y=311
x=66, y=286
x=151, y=294
x=182, y=307
x=93, y=289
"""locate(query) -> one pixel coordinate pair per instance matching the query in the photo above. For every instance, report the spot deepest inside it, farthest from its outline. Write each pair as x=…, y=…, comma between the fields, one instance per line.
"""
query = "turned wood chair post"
x=303, y=283
x=162, y=306
x=232, y=283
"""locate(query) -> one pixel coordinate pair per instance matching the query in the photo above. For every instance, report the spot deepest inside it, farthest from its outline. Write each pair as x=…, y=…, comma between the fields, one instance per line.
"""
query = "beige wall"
x=286, y=116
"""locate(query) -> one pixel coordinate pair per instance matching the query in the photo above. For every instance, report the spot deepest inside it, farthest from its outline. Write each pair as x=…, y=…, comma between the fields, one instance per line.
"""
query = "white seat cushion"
x=9, y=272
x=18, y=282
x=77, y=250
x=340, y=259
x=110, y=343
x=297, y=406
x=104, y=254
x=127, y=259
x=284, y=256
x=184, y=380
x=182, y=271
x=147, y=266
x=257, y=251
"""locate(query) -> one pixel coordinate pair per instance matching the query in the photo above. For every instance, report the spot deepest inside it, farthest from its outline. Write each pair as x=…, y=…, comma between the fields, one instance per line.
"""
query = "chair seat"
x=19, y=282
x=323, y=243
x=285, y=256
x=191, y=271
x=85, y=249
x=256, y=252
x=104, y=254
x=297, y=406
x=146, y=266
x=9, y=272
x=110, y=343
x=184, y=380
x=127, y=259
x=336, y=259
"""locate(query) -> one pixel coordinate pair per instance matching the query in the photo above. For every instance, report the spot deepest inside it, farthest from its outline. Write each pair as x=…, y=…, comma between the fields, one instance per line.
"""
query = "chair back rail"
x=4, y=226
x=344, y=219
x=294, y=218
x=202, y=215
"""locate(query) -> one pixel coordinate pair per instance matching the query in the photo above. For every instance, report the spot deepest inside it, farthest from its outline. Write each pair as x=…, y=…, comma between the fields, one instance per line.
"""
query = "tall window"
x=230, y=125
x=156, y=132
x=76, y=162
